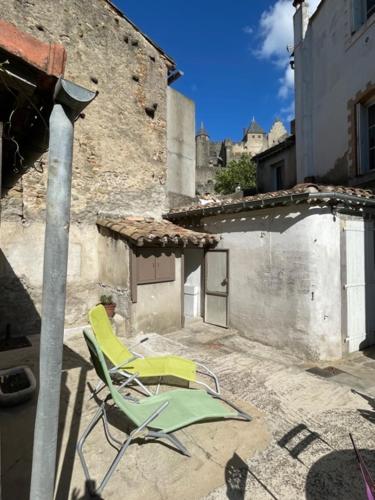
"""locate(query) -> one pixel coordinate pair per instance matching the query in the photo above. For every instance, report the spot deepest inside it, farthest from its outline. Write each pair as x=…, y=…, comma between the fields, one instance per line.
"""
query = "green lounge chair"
x=127, y=363
x=154, y=417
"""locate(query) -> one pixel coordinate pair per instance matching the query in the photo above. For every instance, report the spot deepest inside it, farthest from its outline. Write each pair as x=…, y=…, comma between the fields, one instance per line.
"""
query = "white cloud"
x=288, y=111
x=286, y=83
x=276, y=34
x=248, y=30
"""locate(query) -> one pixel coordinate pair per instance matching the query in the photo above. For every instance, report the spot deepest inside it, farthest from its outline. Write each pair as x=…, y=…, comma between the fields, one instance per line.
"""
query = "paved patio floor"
x=296, y=447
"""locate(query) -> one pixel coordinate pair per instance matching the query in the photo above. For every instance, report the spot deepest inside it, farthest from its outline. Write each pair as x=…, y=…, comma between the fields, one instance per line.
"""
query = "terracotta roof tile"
x=141, y=230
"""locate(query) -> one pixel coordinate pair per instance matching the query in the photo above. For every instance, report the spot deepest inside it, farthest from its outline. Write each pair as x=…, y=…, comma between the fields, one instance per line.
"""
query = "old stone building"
x=120, y=148
x=212, y=155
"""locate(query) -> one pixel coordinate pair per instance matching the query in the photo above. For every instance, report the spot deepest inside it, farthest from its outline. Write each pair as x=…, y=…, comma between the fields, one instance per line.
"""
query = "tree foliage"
x=238, y=173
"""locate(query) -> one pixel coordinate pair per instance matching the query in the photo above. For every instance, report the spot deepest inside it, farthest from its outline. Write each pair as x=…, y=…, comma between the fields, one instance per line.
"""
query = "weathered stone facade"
x=111, y=154
x=213, y=155
x=120, y=148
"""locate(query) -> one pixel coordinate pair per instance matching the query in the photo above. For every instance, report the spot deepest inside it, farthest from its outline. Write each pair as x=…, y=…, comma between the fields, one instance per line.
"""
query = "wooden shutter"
x=165, y=266
x=362, y=138
x=155, y=266
x=146, y=267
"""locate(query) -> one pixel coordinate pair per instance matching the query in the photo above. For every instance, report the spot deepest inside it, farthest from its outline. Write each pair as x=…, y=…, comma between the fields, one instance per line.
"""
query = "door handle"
x=224, y=282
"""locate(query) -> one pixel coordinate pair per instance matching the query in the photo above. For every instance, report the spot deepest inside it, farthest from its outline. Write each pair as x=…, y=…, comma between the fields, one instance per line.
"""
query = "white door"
x=216, y=287
x=360, y=283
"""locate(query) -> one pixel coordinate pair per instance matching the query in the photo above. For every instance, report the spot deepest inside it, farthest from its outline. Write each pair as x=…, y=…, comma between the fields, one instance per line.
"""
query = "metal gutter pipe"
x=70, y=99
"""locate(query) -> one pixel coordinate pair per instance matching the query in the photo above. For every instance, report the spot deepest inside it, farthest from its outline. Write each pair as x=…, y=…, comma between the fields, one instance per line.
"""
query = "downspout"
x=70, y=99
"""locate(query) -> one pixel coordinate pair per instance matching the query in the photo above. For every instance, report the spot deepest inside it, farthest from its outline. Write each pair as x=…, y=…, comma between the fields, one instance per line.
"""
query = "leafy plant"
x=106, y=300
x=238, y=173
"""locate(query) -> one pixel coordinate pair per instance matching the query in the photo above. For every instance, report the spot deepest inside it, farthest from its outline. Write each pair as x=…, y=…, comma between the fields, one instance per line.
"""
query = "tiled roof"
x=300, y=192
x=146, y=230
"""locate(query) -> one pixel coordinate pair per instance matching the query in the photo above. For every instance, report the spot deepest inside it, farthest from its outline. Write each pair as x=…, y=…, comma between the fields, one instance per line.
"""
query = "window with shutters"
x=366, y=136
x=154, y=265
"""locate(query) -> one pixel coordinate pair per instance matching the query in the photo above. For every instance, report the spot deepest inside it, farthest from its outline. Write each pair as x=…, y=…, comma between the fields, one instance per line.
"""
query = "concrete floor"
x=296, y=447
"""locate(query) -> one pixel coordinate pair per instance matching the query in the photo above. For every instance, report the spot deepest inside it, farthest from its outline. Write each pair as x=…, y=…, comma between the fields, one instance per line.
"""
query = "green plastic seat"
x=154, y=417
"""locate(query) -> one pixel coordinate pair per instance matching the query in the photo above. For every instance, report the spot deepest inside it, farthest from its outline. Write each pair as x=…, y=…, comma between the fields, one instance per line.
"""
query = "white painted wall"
x=331, y=66
x=284, y=280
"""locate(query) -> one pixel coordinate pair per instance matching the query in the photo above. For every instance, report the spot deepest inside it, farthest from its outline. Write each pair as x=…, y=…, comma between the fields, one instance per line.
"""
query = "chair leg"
x=172, y=438
x=98, y=415
x=241, y=413
x=169, y=437
x=114, y=464
x=101, y=414
x=210, y=374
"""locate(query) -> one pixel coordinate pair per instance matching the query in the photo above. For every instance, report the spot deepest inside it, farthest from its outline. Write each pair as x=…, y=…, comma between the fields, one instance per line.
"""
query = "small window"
x=155, y=265
x=361, y=11
x=370, y=8
x=366, y=136
x=277, y=170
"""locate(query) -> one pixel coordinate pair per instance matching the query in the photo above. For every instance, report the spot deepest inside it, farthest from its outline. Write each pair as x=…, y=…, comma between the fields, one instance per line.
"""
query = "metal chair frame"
x=142, y=432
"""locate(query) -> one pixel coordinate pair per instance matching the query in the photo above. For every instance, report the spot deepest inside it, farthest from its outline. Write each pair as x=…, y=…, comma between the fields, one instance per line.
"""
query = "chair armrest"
x=138, y=343
x=125, y=362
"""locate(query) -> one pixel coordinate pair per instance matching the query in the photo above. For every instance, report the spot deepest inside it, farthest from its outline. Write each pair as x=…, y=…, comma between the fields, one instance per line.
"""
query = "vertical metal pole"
x=1, y=161
x=70, y=100
x=53, y=304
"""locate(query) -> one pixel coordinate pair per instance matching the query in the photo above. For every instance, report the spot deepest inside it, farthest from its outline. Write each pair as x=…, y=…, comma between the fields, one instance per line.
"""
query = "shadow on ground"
x=17, y=426
x=236, y=475
x=18, y=314
x=367, y=414
x=337, y=476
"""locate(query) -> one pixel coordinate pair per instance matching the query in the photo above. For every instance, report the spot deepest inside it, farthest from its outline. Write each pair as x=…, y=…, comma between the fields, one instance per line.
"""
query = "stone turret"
x=202, y=142
x=254, y=141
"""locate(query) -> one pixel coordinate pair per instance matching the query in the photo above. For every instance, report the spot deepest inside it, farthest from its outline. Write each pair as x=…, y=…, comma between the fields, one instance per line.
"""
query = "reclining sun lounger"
x=154, y=417
x=127, y=363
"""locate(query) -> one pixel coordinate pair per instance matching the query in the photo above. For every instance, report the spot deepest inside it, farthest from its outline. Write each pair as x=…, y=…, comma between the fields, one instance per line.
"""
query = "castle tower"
x=255, y=139
x=202, y=144
x=277, y=133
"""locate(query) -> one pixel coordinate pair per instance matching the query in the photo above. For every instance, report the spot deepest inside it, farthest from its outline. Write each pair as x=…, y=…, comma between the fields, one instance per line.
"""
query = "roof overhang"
x=144, y=231
x=47, y=58
x=277, y=199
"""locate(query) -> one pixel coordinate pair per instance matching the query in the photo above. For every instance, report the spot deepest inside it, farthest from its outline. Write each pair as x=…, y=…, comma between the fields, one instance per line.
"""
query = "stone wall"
x=120, y=146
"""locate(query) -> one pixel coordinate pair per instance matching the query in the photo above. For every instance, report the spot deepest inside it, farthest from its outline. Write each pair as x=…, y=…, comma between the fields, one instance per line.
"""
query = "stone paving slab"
x=297, y=446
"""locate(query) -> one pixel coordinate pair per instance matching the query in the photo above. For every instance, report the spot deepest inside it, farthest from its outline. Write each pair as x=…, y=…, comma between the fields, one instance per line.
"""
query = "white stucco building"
x=293, y=269
x=334, y=53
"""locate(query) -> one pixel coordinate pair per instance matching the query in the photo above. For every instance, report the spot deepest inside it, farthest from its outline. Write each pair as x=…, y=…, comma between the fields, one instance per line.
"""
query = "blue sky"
x=233, y=55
